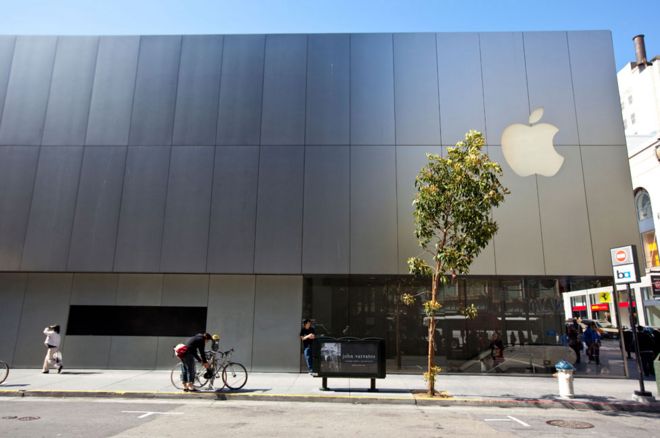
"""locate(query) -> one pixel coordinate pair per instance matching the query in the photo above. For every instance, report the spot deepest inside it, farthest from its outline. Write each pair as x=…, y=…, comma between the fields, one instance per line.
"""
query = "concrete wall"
x=259, y=316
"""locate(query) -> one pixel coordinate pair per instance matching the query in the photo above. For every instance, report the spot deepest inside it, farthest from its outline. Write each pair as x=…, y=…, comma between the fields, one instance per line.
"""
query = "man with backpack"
x=190, y=351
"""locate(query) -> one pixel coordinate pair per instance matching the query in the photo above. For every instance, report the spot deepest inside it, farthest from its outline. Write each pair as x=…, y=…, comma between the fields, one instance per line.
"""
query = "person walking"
x=52, y=343
x=307, y=336
x=592, y=339
x=194, y=351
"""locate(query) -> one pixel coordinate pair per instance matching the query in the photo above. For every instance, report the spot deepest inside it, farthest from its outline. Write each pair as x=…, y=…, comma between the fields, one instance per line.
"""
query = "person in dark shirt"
x=307, y=335
x=496, y=351
x=195, y=352
x=645, y=339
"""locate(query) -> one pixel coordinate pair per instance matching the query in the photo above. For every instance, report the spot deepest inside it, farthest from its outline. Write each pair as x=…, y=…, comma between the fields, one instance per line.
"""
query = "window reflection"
x=525, y=315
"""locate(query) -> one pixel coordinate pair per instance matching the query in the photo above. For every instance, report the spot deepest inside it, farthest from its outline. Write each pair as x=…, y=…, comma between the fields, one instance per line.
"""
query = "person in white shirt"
x=52, y=343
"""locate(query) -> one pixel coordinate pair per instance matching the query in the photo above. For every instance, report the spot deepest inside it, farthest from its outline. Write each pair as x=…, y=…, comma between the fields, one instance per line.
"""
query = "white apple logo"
x=529, y=149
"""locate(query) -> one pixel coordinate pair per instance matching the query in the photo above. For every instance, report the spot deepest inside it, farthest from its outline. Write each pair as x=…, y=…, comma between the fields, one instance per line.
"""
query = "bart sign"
x=624, y=264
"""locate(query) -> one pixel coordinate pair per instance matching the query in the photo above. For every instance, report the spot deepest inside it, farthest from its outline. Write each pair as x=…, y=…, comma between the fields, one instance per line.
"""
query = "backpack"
x=180, y=350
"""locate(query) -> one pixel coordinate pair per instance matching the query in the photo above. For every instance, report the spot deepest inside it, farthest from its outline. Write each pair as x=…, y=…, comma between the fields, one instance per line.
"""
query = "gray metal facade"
x=288, y=155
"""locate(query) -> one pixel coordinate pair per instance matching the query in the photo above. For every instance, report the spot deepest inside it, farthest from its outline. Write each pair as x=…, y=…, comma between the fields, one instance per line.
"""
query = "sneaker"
x=59, y=369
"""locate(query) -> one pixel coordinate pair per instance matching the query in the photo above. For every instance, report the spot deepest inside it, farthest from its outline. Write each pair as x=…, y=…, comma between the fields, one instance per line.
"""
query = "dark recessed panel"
x=136, y=321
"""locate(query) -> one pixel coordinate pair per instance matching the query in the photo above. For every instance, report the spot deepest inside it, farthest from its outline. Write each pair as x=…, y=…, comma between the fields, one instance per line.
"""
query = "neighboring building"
x=155, y=186
x=639, y=88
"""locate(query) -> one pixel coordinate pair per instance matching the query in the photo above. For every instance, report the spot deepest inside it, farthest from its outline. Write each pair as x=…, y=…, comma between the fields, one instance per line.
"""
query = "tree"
x=453, y=221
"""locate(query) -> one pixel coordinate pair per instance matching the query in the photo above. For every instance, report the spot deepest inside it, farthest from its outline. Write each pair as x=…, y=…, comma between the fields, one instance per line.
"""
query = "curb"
x=617, y=406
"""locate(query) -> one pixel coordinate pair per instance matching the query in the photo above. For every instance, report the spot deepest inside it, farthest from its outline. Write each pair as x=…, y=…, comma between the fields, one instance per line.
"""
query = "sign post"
x=625, y=270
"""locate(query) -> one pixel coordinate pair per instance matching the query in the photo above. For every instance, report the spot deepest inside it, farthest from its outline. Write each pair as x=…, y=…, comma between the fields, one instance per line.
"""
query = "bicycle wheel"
x=234, y=375
x=175, y=377
x=4, y=371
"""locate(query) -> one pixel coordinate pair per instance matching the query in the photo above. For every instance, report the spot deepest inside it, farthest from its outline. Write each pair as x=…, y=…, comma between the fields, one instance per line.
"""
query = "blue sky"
x=119, y=17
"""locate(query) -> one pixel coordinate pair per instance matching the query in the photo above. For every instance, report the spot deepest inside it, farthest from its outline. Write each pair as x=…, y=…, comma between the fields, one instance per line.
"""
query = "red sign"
x=579, y=308
x=601, y=306
x=625, y=304
x=620, y=256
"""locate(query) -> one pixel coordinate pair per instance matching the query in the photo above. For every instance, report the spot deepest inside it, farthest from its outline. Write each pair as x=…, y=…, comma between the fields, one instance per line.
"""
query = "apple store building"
x=155, y=186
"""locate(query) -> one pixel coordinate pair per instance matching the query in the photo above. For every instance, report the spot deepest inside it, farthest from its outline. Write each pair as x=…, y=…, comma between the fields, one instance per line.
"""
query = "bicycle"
x=4, y=371
x=232, y=374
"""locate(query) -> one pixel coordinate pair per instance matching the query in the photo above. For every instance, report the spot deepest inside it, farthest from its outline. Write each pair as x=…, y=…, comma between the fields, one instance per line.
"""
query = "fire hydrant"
x=565, y=378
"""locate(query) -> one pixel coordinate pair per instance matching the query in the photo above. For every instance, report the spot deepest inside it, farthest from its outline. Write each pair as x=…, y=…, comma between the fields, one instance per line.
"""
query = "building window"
x=647, y=228
x=643, y=205
x=632, y=119
x=630, y=99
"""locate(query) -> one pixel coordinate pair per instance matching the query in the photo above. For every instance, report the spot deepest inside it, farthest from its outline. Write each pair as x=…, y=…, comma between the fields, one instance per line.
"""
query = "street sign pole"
x=626, y=270
x=633, y=324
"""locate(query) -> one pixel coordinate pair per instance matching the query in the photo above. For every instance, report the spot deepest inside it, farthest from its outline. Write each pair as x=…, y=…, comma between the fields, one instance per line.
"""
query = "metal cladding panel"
x=460, y=85
x=7, y=44
x=518, y=243
x=280, y=209
x=416, y=89
x=70, y=91
x=372, y=90
x=505, y=83
x=596, y=90
x=94, y=289
x=241, y=89
x=48, y=234
x=564, y=220
x=196, y=116
x=610, y=201
x=326, y=221
x=233, y=210
x=27, y=91
x=186, y=229
x=94, y=234
x=277, y=311
x=285, y=71
x=155, y=91
x=17, y=169
x=142, y=210
x=231, y=314
x=328, y=75
x=185, y=290
x=112, y=94
x=373, y=210
x=46, y=302
x=549, y=82
x=133, y=352
x=139, y=289
x=87, y=352
x=12, y=293
x=409, y=161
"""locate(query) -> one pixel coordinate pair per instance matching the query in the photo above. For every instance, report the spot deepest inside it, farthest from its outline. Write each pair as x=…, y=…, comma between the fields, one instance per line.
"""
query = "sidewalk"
x=466, y=390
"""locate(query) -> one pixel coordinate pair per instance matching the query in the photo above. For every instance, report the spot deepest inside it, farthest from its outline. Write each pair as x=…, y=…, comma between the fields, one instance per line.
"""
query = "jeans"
x=308, y=357
x=188, y=368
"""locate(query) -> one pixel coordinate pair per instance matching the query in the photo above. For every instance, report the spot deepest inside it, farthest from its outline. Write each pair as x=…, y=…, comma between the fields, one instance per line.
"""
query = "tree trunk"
x=431, y=352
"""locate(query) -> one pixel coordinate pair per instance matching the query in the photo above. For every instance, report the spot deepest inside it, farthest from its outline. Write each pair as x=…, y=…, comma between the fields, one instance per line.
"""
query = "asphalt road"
x=29, y=417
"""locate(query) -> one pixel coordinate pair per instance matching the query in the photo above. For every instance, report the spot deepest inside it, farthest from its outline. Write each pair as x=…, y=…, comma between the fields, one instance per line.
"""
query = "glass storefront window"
x=650, y=249
x=525, y=314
